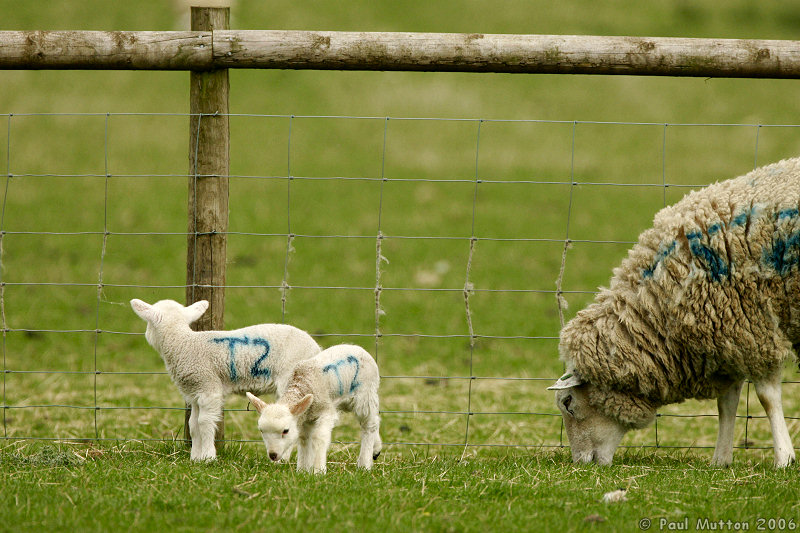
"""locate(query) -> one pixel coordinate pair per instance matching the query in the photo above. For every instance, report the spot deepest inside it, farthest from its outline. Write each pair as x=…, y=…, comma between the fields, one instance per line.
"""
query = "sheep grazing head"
x=278, y=424
x=593, y=435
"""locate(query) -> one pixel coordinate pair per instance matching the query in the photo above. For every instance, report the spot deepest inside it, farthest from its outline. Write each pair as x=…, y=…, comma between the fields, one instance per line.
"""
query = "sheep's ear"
x=300, y=407
x=145, y=311
x=567, y=381
x=195, y=311
x=257, y=402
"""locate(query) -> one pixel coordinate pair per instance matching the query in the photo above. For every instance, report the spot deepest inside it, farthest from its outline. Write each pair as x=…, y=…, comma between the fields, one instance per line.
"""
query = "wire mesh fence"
x=452, y=249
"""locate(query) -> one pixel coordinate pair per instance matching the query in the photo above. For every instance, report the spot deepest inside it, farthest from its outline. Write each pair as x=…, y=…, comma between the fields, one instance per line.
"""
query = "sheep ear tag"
x=566, y=381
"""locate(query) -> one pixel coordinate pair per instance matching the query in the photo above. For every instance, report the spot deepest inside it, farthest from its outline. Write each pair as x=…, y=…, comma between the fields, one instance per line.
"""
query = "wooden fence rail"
x=553, y=54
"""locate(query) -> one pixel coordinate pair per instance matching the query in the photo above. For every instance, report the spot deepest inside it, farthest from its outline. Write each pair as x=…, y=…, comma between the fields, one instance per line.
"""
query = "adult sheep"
x=708, y=297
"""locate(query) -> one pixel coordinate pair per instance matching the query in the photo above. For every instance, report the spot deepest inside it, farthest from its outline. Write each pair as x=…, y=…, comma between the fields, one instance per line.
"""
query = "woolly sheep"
x=206, y=366
x=708, y=297
x=340, y=378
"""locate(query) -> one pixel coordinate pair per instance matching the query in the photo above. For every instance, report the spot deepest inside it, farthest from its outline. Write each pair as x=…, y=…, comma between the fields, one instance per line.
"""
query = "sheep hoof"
x=375, y=456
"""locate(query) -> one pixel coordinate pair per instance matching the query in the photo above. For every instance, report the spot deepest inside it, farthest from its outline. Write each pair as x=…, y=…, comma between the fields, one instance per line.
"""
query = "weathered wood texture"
x=564, y=54
x=209, y=162
x=119, y=50
x=274, y=49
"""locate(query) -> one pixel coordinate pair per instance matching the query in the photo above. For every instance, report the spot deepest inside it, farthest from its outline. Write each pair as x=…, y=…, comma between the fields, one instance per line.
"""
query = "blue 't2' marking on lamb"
x=350, y=360
x=256, y=370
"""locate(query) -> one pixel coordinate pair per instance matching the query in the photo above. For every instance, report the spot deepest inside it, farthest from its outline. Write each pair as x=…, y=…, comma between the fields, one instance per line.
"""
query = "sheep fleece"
x=707, y=296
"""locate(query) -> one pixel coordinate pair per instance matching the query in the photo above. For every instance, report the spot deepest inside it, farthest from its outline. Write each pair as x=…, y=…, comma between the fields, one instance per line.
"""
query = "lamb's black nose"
x=273, y=456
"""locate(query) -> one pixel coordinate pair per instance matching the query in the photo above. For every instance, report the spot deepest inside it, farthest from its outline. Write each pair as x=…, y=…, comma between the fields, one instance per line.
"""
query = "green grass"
x=597, y=131
x=78, y=487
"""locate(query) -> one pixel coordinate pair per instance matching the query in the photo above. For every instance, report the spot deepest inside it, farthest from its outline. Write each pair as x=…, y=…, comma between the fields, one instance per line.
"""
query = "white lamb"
x=341, y=378
x=206, y=366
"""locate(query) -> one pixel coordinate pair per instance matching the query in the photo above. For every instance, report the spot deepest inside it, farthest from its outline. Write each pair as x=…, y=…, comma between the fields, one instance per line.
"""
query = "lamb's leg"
x=366, y=408
x=321, y=441
x=305, y=457
x=194, y=430
x=769, y=394
x=726, y=406
x=210, y=412
x=371, y=443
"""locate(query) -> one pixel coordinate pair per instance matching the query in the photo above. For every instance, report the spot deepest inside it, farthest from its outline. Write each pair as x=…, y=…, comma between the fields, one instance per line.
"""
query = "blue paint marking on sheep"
x=256, y=370
x=660, y=256
x=232, y=342
x=714, y=264
x=334, y=367
x=784, y=254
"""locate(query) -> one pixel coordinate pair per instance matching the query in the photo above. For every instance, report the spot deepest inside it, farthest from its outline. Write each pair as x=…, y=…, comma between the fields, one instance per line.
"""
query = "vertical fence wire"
x=561, y=301
x=379, y=257
x=469, y=289
x=2, y=271
x=747, y=395
x=664, y=165
x=289, y=235
x=195, y=176
x=100, y=274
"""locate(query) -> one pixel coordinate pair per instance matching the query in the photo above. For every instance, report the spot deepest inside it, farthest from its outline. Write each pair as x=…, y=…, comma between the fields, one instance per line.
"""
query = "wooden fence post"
x=208, y=187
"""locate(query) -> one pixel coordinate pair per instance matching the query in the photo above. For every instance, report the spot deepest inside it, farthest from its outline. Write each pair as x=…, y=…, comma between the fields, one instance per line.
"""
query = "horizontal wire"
x=84, y=440
x=389, y=118
x=382, y=412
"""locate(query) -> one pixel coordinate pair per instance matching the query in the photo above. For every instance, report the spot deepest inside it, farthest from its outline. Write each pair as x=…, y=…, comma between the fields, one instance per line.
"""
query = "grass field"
x=105, y=154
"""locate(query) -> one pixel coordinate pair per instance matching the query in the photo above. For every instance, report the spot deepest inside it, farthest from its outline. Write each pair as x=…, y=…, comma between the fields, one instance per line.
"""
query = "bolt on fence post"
x=209, y=156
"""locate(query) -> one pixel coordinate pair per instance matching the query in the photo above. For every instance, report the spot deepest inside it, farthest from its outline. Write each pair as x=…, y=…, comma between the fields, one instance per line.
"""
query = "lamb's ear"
x=145, y=311
x=195, y=311
x=300, y=407
x=257, y=402
x=567, y=381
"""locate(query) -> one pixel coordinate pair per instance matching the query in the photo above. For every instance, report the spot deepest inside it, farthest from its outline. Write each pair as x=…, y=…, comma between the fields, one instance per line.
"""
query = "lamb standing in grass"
x=206, y=366
x=709, y=297
x=341, y=378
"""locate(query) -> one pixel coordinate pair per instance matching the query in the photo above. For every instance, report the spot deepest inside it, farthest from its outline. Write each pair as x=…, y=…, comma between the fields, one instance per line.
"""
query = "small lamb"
x=341, y=378
x=207, y=366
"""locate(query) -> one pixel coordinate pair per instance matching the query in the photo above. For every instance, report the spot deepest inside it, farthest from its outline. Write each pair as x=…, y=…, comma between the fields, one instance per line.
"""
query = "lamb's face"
x=278, y=429
x=593, y=436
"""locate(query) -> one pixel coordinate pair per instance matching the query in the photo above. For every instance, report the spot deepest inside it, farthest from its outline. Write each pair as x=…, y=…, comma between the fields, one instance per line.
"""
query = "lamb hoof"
x=376, y=455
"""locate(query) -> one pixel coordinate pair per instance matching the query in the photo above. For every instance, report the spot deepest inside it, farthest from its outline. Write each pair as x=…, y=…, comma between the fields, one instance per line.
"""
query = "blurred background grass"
x=595, y=130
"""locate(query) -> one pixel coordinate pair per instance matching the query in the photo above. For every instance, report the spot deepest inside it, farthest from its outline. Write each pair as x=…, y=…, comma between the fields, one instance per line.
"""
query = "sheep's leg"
x=366, y=408
x=194, y=431
x=769, y=394
x=209, y=413
x=287, y=455
x=305, y=457
x=370, y=441
x=726, y=405
x=320, y=441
